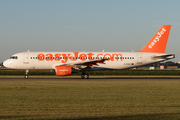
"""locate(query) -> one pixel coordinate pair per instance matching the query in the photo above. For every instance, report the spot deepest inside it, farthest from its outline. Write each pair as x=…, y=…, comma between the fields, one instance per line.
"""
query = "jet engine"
x=63, y=70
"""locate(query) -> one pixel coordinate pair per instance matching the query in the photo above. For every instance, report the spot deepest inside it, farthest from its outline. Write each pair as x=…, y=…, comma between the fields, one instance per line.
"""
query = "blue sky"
x=85, y=25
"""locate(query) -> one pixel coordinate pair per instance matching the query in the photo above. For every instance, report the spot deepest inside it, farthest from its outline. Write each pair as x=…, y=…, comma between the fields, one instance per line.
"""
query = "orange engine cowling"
x=63, y=70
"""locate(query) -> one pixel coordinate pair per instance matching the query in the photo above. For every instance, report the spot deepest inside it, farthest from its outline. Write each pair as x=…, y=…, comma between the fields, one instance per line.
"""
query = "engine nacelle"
x=63, y=70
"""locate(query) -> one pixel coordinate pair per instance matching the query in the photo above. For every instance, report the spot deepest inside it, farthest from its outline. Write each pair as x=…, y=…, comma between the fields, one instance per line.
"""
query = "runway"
x=91, y=79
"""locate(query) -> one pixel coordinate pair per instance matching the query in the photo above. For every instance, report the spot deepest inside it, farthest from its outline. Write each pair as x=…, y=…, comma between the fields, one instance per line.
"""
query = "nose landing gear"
x=27, y=74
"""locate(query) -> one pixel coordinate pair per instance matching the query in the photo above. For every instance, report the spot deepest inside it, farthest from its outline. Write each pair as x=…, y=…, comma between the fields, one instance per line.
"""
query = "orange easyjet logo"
x=157, y=38
x=76, y=56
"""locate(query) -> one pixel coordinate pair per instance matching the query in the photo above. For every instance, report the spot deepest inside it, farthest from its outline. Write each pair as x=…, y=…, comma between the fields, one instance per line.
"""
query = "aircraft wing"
x=87, y=63
x=92, y=62
x=83, y=64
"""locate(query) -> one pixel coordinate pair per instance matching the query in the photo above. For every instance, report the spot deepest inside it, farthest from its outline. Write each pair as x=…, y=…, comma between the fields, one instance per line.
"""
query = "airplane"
x=66, y=63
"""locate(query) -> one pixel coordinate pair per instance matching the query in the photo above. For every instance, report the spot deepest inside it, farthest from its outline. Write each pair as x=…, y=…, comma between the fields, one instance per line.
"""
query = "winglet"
x=158, y=42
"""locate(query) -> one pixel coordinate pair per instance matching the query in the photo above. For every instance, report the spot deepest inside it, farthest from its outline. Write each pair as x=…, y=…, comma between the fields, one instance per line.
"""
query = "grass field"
x=90, y=99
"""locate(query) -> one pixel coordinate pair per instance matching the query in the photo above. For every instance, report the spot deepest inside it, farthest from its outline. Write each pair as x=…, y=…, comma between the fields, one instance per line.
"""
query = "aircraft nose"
x=4, y=63
x=7, y=63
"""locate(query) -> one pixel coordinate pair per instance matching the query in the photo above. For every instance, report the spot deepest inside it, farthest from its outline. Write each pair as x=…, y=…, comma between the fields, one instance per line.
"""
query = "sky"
x=86, y=25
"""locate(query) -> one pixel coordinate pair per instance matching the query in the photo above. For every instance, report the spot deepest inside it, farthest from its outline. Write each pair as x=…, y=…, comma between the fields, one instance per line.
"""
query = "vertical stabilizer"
x=158, y=42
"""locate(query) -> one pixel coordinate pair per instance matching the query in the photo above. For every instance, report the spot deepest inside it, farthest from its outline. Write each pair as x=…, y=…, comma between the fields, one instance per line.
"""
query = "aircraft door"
x=26, y=58
x=139, y=58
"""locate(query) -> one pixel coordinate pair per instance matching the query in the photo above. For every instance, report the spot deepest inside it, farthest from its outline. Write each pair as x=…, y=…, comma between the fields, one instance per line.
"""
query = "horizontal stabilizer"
x=164, y=57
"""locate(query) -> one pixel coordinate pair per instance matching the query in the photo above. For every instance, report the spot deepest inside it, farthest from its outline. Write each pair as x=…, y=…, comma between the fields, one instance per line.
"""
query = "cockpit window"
x=14, y=57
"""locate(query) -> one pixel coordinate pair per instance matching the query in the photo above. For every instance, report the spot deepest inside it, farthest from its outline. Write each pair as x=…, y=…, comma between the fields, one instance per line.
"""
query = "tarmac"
x=92, y=78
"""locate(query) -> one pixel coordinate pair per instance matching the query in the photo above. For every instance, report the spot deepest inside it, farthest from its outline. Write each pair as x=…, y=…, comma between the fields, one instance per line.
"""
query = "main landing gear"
x=84, y=75
x=27, y=74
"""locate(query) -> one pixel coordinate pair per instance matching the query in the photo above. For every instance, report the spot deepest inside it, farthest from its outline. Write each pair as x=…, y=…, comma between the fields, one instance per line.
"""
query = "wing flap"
x=91, y=62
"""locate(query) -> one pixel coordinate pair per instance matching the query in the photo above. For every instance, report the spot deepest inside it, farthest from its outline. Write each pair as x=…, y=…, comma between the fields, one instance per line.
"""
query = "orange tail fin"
x=158, y=42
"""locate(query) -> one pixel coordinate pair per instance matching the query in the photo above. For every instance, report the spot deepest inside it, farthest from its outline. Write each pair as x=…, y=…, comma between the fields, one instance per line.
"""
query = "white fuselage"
x=49, y=60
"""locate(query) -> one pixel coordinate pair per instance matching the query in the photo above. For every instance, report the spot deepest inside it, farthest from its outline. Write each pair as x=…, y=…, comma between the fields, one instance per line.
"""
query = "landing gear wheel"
x=82, y=76
x=26, y=76
x=86, y=76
